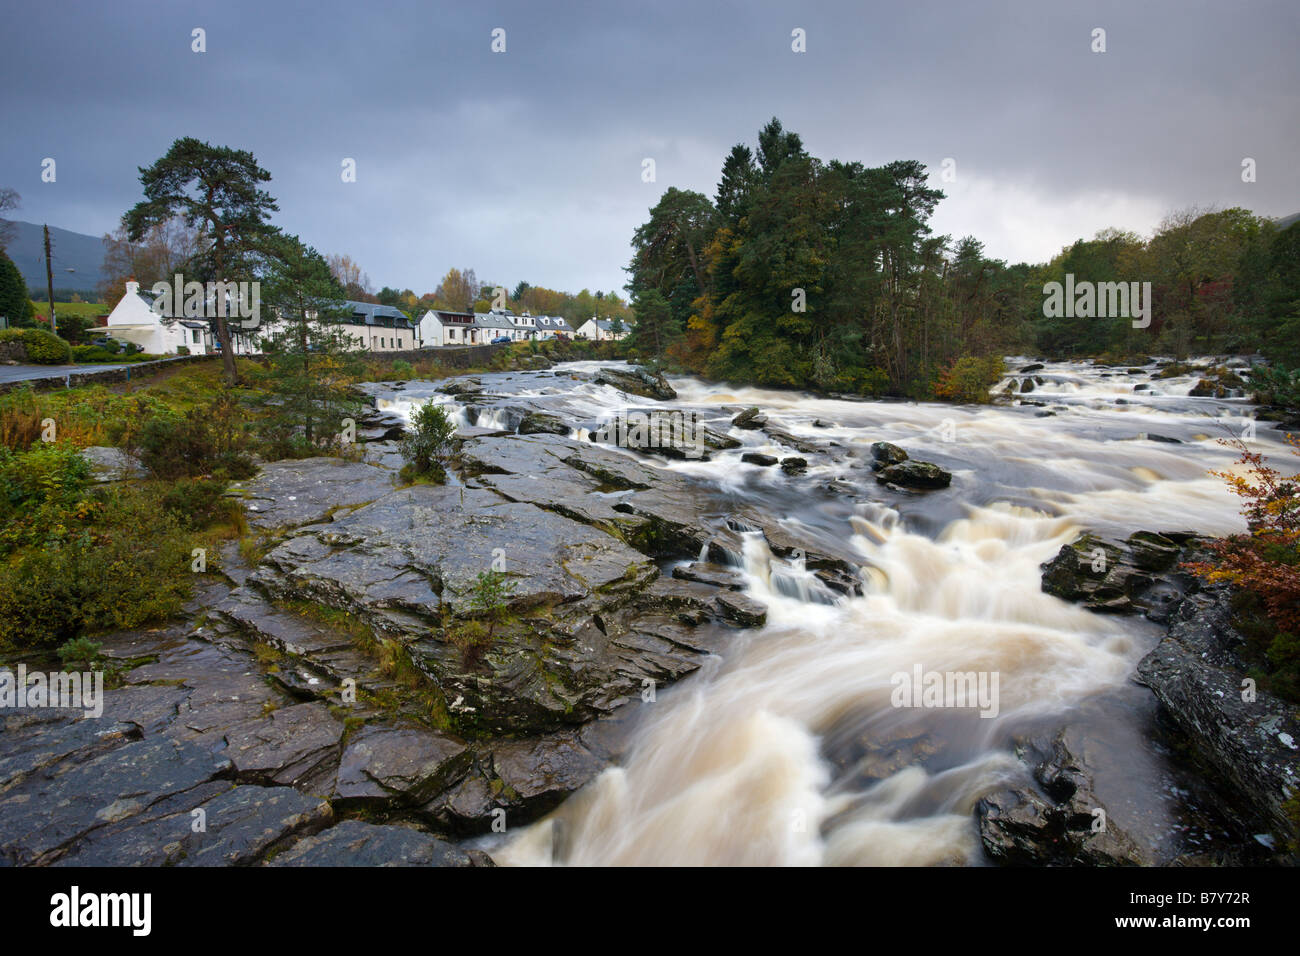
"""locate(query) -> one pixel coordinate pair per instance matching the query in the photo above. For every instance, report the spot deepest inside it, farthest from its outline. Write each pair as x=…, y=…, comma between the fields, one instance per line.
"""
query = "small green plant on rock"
x=426, y=446
x=489, y=603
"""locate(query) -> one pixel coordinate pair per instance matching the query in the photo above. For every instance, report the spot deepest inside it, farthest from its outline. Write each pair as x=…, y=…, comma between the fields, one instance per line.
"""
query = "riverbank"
x=327, y=679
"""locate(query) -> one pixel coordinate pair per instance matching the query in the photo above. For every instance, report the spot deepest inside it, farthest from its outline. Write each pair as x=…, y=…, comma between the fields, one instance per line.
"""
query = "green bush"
x=424, y=448
x=969, y=379
x=1276, y=385
x=121, y=566
x=403, y=369
x=37, y=488
x=92, y=355
x=171, y=445
x=45, y=348
x=196, y=502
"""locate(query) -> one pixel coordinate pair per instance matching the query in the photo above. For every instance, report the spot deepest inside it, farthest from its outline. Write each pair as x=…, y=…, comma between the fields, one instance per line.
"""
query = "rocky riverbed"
x=329, y=697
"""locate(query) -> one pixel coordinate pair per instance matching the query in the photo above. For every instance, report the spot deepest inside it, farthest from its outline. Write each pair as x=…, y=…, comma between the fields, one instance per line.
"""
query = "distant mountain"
x=77, y=258
x=1287, y=220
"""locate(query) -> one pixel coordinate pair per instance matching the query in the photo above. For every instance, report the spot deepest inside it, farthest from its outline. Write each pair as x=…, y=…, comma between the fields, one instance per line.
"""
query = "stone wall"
x=71, y=378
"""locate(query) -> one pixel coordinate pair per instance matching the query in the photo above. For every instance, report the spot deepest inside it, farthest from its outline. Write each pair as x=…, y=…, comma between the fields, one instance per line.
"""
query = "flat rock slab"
x=387, y=766
x=294, y=746
x=51, y=808
x=355, y=843
x=287, y=494
x=112, y=464
x=423, y=547
x=1255, y=744
x=233, y=828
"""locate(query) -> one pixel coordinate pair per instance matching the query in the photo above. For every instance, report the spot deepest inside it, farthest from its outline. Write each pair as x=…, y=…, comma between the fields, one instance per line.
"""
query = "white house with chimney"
x=603, y=330
x=134, y=320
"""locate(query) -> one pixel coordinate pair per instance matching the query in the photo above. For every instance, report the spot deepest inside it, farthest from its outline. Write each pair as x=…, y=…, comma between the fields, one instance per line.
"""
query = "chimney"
x=132, y=287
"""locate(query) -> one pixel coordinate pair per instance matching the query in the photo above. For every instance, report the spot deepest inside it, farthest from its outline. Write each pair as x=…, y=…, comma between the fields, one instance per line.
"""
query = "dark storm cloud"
x=527, y=164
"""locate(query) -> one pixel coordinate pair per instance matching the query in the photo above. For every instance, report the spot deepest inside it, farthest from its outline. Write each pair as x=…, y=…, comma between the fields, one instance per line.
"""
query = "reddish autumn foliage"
x=1266, y=561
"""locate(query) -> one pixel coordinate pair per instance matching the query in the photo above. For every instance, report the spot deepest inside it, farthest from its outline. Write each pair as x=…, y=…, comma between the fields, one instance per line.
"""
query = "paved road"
x=20, y=373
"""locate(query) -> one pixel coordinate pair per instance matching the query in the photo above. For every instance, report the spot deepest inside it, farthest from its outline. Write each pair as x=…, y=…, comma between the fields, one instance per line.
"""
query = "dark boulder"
x=921, y=475
x=637, y=381
x=539, y=423
x=885, y=454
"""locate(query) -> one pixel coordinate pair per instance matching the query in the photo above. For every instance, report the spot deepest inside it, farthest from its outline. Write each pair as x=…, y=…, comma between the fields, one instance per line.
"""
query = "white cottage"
x=602, y=330
x=438, y=328
x=134, y=320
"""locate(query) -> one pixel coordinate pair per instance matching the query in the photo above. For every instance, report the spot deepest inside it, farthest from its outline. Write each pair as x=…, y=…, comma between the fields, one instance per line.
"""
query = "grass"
x=85, y=310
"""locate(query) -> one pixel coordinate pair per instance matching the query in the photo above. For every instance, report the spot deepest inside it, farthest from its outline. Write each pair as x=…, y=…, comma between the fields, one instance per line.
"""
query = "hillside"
x=77, y=258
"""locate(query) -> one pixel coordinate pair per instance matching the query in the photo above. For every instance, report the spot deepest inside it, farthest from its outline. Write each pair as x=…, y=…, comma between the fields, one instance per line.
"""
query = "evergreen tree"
x=312, y=358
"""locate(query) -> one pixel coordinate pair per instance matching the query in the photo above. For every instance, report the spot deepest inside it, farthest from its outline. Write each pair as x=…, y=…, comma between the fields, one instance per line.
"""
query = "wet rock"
x=295, y=746
x=533, y=776
x=819, y=423
x=922, y=475
x=1164, y=438
x=783, y=437
x=758, y=458
x=750, y=418
x=709, y=574
x=355, y=843
x=538, y=423
x=794, y=466
x=385, y=767
x=637, y=381
x=741, y=609
x=47, y=811
x=1136, y=575
x=1027, y=385
x=1197, y=674
x=287, y=494
x=1064, y=823
x=377, y=426
x=461, y=386
x=1034, y=367
x=407, y=565
x=884, y=454
x=239, y=826
x=1204, y=388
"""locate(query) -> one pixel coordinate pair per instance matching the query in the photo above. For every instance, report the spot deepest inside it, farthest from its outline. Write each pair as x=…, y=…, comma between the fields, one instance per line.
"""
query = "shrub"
x=79, y=651
x=1265, y=564
x=118, y=564
x=92, y=355
x=426, y=445
x=969, y=379
x=196, y=503
x=402, y=369
x=171, y=445
x=36, y=488
x=20, y=419
x=1276, y=385
x=45, y=348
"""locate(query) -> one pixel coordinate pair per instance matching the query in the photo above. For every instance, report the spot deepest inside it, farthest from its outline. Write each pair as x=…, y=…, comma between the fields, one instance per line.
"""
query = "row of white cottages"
x=372, y=327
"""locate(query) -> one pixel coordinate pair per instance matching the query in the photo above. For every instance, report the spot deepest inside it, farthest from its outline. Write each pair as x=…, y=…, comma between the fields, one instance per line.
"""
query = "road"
x=20, y=373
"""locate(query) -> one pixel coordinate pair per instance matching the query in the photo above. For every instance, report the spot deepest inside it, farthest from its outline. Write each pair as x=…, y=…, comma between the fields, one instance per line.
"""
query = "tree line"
x=827, y=274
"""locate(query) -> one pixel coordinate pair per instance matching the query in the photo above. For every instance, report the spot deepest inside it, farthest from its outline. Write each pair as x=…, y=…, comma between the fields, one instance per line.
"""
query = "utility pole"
x=49, y=282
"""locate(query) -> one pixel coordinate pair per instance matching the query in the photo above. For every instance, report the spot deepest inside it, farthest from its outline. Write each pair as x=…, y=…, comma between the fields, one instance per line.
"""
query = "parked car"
x=108, y=344
x=500, y=339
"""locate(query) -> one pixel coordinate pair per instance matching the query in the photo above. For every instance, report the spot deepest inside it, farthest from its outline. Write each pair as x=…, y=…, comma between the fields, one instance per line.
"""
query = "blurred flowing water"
x=758, y=758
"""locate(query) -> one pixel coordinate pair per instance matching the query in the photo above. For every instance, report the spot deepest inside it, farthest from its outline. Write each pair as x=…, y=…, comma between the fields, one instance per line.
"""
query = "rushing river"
x=758, y=758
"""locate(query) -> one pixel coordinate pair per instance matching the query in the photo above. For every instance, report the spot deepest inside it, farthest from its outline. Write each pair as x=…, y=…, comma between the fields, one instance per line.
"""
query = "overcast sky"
x=527, y=164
